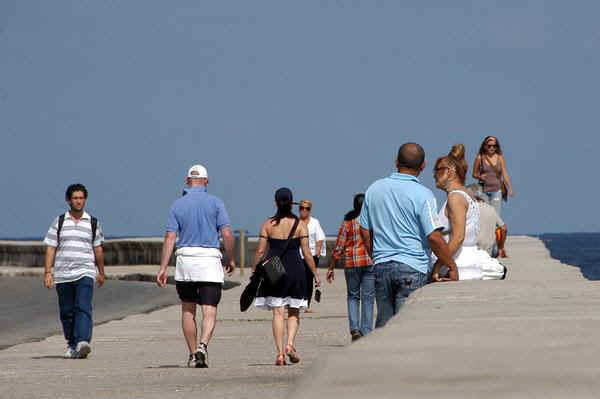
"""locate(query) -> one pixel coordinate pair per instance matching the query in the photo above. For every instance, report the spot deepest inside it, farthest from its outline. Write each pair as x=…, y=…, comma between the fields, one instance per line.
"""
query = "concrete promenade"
x=530, y=336
x=143, y=356
x=533, y=335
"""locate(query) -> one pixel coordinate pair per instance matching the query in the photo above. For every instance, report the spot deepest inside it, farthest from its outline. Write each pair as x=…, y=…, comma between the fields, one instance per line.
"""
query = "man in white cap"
x=194, y=224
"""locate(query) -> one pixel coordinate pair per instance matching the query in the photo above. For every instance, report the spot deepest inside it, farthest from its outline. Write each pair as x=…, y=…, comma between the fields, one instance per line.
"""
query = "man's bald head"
x=410, y=156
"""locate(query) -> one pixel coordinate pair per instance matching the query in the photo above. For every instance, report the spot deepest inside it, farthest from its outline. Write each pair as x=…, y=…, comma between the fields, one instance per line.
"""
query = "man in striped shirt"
x=74, y=247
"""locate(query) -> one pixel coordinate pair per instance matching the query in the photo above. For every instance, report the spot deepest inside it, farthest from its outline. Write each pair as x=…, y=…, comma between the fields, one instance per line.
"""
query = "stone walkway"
x=533, y=335
x=143, y=356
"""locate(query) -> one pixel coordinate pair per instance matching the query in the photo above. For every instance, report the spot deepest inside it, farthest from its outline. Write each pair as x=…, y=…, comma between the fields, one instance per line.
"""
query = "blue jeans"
x=394, y=282
x=360, y=283
x=495, y=200
x=75, y=303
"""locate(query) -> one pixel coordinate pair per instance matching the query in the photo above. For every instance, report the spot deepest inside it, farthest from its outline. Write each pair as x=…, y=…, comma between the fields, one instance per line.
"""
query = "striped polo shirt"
x=74, y=254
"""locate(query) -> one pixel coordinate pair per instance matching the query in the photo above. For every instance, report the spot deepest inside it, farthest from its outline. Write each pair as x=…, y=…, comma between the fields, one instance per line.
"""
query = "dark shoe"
x=505, y=272
x=201, y=357
x=355, y=335
x=292, y=354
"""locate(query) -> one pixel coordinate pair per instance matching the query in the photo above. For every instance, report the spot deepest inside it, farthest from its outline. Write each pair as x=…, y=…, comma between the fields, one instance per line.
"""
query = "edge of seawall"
x=525, y=336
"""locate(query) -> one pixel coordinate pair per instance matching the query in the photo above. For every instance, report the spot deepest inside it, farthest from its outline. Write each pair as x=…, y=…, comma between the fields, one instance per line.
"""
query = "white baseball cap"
x=197, y=172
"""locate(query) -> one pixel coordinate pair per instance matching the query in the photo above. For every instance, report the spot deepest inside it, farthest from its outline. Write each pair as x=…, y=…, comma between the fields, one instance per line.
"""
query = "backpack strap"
x=61, y=221
x=94, y=228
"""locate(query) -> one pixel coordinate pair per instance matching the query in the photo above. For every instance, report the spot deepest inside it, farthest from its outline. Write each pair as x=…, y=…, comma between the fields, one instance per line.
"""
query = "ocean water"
x=578, y=249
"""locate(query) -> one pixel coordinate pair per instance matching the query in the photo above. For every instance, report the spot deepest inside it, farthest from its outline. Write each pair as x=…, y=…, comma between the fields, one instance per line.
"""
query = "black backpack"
x=61, y=221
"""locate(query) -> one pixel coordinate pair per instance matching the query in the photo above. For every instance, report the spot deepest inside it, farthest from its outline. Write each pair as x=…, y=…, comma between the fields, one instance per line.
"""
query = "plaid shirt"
x=350, y=243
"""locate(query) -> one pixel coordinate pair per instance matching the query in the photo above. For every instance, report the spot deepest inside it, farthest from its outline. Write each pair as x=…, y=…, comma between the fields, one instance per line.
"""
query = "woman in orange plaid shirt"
x=358, y=270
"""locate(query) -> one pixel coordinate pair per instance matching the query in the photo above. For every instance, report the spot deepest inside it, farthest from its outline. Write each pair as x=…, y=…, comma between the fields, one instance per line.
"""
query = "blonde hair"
x=456, y=158
x=305, y=202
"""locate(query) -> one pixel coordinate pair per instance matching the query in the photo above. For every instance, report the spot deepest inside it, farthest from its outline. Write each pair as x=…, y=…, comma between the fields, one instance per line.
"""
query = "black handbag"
x=272, y=266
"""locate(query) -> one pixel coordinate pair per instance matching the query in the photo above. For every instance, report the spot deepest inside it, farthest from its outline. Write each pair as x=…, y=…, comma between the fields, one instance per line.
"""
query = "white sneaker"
x=70, y=353
x=191, y=361
x=82, y=350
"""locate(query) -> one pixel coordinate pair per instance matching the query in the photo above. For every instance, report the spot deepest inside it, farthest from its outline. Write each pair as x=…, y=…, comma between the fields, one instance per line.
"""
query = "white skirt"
x=474, y=264
x=270, y=302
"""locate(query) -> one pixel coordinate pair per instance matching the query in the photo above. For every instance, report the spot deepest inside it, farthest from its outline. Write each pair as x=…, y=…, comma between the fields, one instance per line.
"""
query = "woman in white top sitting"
x=460, y=217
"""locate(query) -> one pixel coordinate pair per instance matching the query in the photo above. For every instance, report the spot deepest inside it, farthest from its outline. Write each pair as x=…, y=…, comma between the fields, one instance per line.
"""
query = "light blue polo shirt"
x=401, y=213
x=197, y=218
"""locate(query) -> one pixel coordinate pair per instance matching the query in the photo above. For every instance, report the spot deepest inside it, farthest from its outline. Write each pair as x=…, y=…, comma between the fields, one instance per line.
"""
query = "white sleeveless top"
x=472, y=223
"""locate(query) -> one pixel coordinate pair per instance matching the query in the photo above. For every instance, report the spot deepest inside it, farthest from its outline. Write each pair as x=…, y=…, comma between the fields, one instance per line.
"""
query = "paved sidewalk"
x=144, y=355
x=533, y=335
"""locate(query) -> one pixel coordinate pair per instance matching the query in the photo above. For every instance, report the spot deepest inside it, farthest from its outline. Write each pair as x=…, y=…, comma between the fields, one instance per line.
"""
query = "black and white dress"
x=290, y=291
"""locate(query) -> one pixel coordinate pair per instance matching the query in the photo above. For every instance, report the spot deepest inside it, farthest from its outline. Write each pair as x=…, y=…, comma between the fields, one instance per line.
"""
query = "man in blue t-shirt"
x=399, y=226
x=195, y=222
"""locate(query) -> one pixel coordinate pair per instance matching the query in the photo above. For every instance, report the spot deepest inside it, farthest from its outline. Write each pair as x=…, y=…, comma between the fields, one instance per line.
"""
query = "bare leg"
x=293, y=323
x=188, y=323
x=278, y=329
x=209, y=319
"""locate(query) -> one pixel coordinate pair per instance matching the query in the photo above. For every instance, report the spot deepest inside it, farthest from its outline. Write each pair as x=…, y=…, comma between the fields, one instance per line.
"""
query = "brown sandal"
x=292, y=354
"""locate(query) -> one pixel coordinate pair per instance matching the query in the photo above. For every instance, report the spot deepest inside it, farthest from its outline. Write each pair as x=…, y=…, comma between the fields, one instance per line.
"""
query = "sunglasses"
x=491, y=145
x=440, y=168
x=305, y=208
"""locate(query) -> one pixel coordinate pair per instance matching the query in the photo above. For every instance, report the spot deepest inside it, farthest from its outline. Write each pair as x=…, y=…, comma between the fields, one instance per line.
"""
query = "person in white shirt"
x=74, y=248
x=316, y=243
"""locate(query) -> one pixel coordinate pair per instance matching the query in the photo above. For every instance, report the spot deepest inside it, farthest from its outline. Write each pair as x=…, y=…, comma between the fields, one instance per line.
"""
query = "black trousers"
x=310, y=279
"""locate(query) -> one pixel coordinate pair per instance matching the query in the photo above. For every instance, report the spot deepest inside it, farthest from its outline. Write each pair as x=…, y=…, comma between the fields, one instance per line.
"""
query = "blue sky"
x=316, y=96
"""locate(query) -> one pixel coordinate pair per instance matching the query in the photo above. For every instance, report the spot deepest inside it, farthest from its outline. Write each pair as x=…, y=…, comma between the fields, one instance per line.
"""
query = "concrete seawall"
x=530, y=336
x=126, y=251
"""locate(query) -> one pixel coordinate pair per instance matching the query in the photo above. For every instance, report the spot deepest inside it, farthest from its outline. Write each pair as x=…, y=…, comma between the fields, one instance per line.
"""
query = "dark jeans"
x=394, y=282
x=360, y=283
x=310, y=279
x=75, y=303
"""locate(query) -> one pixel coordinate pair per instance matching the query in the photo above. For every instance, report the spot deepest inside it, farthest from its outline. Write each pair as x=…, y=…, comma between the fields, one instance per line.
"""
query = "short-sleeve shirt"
x=349, y=244
x=488, y=221
x=315, y=234
x=401, y=213
x=74, y=257
x=197, y=218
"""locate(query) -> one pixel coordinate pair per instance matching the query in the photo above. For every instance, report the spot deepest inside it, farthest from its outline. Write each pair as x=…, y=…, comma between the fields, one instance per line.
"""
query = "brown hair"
x=482, y=147
x=456, y=158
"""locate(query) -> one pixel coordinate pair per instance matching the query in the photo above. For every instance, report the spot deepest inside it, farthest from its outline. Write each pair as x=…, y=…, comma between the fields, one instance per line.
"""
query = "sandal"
x=280, y=360
x=292, y=354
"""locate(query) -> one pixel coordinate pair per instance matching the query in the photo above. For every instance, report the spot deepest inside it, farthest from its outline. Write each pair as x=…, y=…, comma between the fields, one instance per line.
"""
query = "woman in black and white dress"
x=290, y=291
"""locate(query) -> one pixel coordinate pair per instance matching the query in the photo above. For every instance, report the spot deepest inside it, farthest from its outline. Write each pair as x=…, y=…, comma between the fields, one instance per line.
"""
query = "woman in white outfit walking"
x=460, y=218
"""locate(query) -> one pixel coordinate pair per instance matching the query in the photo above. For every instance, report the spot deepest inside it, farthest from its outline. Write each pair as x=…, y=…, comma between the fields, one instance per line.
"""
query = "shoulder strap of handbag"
x=287, y=243
x=481, y=165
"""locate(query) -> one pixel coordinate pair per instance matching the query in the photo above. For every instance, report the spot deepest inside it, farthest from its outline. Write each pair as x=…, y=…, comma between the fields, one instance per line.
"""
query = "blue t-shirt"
x=197, y=218
x=401, y=213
